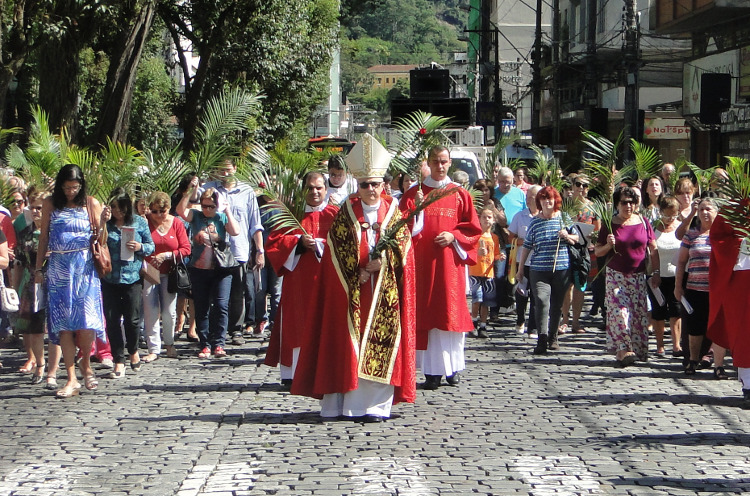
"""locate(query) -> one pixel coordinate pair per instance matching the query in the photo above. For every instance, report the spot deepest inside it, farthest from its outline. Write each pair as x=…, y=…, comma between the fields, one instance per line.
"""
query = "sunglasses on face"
x=367, y=185
x=210, y=207
x=157, y=212
x=582, y=185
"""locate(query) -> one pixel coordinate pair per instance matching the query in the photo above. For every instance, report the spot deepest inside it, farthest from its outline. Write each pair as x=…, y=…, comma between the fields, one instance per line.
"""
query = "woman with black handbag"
x=211, y=261
x=171, y=246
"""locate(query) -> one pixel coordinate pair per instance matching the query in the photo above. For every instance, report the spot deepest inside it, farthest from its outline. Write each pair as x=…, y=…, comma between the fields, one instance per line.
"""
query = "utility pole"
x=555, y=72
x=631, y=61
x=536, y=75
x=591, y=95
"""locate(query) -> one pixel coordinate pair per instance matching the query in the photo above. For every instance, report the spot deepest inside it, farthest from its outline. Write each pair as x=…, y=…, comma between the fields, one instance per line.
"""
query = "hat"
x=368, y=159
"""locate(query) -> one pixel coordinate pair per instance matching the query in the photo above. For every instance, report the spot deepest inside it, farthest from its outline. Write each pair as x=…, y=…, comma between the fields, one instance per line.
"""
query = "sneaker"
x=533, y=334
x=506, y=310
x=107, y=363
x=260, y=328
x=521, y=328
x=205, y=353
x=219, y=352
x=482, y=332
x=237, y=339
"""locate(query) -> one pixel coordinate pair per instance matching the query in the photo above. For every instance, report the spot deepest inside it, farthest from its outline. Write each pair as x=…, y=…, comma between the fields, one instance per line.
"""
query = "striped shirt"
x=543, y=239
x=699, y=247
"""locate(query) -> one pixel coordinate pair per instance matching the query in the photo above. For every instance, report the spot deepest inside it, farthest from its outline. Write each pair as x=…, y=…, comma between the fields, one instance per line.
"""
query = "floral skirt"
x=627, y=320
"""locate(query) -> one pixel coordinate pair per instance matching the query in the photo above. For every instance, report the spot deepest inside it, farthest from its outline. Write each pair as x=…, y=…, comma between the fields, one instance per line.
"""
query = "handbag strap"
x=94, y=225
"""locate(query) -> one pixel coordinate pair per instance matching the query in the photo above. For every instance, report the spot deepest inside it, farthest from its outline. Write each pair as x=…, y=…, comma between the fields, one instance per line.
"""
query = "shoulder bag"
x=8, y=297
x=223, y=254
x=99, y=251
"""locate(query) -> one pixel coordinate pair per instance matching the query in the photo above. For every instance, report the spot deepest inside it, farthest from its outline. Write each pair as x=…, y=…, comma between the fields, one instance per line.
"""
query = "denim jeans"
x=122, y=303
x=211, y=290
x=270, y=285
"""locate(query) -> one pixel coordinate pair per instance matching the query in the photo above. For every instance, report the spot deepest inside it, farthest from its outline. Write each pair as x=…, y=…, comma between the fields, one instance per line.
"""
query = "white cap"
x=368, y=159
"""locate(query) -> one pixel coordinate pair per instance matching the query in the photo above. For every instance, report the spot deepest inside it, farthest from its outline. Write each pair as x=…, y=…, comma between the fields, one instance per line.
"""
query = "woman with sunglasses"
x=121, y=288
x=171, y=245
x=211, y=283
x=627, y=246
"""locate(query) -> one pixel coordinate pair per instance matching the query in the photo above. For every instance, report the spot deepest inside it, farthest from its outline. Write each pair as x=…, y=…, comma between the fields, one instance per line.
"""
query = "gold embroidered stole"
x=377, y=346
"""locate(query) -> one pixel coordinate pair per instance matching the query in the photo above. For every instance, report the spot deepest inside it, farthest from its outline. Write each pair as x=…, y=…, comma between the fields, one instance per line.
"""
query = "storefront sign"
x=744, y=72
x=665, y=129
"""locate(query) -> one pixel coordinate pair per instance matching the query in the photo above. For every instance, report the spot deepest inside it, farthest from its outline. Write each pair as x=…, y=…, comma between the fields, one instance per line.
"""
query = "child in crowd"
x=482, y=274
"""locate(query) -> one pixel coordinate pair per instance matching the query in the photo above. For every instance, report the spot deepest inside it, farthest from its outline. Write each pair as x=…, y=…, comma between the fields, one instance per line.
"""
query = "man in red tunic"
x=296, y=257
x=729, y=306
x=445, y=235
x=360, y=359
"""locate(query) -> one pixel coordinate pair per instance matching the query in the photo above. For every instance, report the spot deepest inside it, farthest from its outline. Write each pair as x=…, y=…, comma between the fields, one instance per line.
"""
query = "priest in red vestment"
x=360, y=361
x=446, y=236
x=296, y=257
x=729, y=307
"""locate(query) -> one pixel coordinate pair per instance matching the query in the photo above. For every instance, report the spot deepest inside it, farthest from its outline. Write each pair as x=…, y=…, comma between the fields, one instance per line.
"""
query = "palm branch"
x=418, y=132
x=735, y=193
x=488, y=166
x=604, y=211
x=279, y=174
x=388, y=238
x=646, y=161
x=162, y=170
x=221, y=129
x=600, y=161
x=546, y=170
x=570, y=209
x=478, y=199
x=702, y=176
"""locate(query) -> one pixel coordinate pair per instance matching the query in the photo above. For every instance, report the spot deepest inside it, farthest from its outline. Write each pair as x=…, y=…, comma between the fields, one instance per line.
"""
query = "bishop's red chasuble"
x=362, y=330
x=441, y=272
x=292, y=321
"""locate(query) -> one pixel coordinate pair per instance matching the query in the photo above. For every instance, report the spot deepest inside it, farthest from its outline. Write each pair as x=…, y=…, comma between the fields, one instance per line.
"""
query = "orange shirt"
x=485, y=264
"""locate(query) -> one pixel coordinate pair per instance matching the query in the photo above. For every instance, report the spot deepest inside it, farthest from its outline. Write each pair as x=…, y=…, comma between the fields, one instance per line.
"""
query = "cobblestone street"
x=569, y=423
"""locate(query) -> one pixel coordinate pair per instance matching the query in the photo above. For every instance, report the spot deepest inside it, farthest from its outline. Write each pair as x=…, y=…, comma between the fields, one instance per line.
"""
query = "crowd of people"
x=383, y=276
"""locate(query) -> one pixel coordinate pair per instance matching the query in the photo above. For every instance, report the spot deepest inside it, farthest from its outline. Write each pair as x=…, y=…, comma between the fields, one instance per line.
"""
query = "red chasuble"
x=441, y=273
x=362, y=330
x=292, y=315
x=729, y=306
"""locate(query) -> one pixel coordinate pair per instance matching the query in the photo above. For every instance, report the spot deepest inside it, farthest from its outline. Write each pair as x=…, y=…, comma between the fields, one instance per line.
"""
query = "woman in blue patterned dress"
x=74, y=308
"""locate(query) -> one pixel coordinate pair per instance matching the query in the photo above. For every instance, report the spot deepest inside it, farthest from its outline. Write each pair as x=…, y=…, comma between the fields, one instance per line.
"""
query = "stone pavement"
x=566, y=424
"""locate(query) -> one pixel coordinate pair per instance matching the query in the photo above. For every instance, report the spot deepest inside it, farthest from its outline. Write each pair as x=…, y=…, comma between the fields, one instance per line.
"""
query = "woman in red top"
x=171, y=242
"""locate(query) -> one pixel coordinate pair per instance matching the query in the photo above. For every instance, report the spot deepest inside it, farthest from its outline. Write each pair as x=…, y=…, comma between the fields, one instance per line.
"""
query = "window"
x=387, y=81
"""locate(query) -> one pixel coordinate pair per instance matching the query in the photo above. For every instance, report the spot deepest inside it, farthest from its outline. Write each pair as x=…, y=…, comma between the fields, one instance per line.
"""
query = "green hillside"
x=377, y=32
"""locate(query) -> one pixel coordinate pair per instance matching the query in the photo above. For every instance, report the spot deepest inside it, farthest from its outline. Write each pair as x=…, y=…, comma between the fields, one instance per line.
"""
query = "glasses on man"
x=367, y=185
x=210, y=207
x=582, y=185
x=156, y=211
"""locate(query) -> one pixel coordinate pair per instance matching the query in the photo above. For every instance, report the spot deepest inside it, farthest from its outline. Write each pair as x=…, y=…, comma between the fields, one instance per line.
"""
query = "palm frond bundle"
x=417, y=133
x=279, y=175
x=222, y=129
x=495, y=156
x=646, y=162
x=570, y=209
x=735, y=192
x=604, y=211
x=388, y=238
x=545, y=170
x=600, y=161
x=702, y=177
x=162, y=170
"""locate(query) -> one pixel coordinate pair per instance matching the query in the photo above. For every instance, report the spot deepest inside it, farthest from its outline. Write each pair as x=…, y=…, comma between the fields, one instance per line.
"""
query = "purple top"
x=631, y=244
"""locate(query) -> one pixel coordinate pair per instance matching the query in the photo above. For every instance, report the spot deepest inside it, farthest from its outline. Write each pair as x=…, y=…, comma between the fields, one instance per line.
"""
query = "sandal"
x=562, y=329
x=37, y=377
x=151, y=357
x=27, y=367
x=68, y=391
x=720, y=373
x=90, y=382
x=51, y=383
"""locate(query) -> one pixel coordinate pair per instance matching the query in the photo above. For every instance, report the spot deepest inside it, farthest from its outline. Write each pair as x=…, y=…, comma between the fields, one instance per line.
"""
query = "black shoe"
x=370, y=419
x=720, y=373
x=432, y=382
x=287, y=383
x=453, y=380
x=553, y=345
x=482, y=332
x=237, y=339
x=541, y=345
x=746, y=398
x=690, y=367
x=473, y=333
